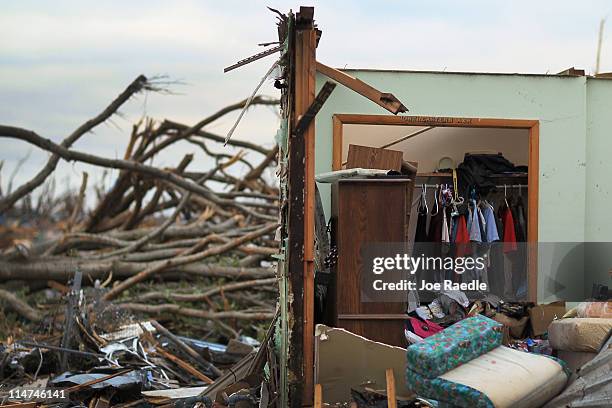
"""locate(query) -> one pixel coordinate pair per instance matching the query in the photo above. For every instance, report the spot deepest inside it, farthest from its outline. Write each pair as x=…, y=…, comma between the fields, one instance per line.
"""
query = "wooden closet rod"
x=497, y=186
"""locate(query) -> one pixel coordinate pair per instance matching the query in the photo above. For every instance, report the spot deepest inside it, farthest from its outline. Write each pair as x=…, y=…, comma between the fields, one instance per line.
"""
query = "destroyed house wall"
x=558, y=102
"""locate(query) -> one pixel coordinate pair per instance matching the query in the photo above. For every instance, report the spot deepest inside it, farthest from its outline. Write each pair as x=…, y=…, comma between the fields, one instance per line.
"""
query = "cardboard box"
x=542, y=315
x=513, y=328
x=579, y=333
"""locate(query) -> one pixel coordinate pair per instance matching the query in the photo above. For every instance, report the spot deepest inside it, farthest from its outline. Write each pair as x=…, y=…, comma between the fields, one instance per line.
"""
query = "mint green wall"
x=560, y=103
x=598, y=222
x=598, y=225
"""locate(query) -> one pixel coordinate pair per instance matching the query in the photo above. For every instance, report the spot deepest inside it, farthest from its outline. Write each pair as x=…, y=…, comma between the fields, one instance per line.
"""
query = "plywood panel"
x=373, y=158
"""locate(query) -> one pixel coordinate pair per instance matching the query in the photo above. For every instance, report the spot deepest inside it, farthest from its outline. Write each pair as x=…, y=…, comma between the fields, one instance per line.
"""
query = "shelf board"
x=496, y=176
x=510, y=175
x=434, y=174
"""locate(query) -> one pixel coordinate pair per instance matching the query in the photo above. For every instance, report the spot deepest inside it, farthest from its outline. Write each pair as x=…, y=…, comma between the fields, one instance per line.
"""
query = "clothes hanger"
x=457, y=200
x=424, y=198
x=437, y=205
x=506, y=196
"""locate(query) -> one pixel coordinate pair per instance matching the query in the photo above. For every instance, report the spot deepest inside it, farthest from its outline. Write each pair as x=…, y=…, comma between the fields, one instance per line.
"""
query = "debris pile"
x=94, y=291
x=140, y=364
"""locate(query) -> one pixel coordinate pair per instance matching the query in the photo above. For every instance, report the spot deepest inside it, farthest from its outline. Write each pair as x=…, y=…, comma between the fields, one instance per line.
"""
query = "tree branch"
x=202, y=314
x=19, y=306
x=183, y=260
x=136, y=86
x=197, y=297
x=74, y=155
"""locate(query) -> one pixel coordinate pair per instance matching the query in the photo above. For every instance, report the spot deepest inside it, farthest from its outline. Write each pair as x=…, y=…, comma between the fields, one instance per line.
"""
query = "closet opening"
x=437, y=145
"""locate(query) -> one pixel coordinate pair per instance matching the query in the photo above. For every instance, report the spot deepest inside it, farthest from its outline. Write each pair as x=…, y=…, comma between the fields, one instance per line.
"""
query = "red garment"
x=462, y=240
x=509, y=234
x=424, y=328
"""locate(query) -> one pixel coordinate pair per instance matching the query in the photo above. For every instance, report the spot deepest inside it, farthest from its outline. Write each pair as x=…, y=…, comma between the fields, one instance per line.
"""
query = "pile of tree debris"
x=81, y=285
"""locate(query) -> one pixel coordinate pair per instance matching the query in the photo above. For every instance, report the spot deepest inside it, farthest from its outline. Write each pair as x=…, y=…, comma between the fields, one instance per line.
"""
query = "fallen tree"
x=154, y=228
x=61, y=269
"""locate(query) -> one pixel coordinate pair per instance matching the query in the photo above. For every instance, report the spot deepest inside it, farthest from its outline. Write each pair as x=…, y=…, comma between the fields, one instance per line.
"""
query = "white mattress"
x=512, y=378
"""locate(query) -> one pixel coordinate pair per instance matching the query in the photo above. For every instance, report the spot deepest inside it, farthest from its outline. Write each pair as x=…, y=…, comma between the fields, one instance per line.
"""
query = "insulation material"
x=579, y=334
x=128, y=331
x=175, y=393
x=344, y=360
x=333, y=176
x=512, y=378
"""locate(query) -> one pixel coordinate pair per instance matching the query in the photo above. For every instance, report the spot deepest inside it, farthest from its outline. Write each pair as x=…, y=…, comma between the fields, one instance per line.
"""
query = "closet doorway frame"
x=532, y=125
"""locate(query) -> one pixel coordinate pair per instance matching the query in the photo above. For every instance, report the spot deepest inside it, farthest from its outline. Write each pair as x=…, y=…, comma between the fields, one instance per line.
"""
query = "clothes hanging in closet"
x=519, y=260
x=518, y=214
x=435, y=226
x=474, y=223
x=421, y=229
x=445, y=226
x=491, y=232
x=509, y=230
x=462, y=238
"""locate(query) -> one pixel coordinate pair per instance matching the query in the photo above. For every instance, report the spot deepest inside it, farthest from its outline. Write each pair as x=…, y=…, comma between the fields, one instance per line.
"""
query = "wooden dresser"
x=367, y=211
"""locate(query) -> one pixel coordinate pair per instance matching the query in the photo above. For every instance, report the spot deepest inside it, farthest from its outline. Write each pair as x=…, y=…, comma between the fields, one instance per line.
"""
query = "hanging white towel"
x=445, y=234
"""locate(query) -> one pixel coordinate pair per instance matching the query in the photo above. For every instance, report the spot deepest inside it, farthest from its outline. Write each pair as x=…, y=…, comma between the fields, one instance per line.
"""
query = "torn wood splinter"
x=383, y=99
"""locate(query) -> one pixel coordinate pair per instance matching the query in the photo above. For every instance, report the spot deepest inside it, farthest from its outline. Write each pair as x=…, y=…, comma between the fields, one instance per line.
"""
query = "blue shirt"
x=490, y=226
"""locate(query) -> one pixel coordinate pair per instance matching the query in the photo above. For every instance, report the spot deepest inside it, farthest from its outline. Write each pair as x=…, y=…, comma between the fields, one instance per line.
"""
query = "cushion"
x=456, y=345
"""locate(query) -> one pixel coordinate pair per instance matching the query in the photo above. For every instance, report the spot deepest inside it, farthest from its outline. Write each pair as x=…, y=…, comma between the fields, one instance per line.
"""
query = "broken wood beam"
x=386, y=100
x=391, y=397
x=314, y=108
x=183, y=364
x=318, y=396
x=186, y=348
x=84, y=385
x=253, y=58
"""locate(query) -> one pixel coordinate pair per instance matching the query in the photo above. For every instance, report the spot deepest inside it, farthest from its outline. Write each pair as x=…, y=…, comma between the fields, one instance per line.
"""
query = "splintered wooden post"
x=391, y=398
x=318, y=396
x=71, y=310
x=300, y=226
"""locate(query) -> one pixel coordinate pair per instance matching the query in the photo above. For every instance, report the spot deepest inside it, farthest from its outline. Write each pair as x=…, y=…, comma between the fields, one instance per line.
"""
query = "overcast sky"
x=62, y=61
